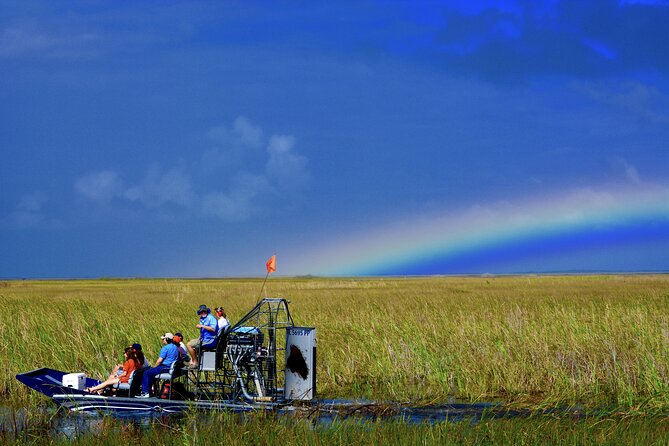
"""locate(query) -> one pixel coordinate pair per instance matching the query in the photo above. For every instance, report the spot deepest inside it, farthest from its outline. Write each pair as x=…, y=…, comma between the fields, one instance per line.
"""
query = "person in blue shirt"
x=208, y=327
x=167, y=356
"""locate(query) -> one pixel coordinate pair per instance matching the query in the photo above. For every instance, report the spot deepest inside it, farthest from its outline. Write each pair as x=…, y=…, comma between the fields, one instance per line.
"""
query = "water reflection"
x=24, y=424
x=47, y=420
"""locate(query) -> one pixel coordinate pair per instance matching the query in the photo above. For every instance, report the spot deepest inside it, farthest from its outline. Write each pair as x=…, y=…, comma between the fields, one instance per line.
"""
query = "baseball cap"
x=202, y=308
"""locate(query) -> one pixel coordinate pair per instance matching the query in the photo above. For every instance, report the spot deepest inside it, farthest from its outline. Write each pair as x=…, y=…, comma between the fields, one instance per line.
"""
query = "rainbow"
x=578, y=231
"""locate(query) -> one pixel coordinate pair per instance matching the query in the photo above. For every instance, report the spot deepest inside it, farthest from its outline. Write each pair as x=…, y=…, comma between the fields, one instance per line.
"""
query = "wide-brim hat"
x=203, y=308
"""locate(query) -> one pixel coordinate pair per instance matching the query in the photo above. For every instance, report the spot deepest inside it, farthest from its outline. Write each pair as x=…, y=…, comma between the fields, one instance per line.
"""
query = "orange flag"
x=271, y=264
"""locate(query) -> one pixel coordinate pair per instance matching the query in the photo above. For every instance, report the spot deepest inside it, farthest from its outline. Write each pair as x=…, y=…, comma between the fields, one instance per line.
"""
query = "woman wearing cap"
x=131, y=364
x=223, y=321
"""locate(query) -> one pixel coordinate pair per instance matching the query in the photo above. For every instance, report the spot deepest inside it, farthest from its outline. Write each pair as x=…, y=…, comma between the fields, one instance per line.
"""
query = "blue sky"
x=199, y=138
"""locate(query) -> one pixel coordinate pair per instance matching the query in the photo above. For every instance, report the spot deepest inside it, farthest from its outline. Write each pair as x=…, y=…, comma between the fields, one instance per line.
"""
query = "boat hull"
x=112, y=404
x=49, y=382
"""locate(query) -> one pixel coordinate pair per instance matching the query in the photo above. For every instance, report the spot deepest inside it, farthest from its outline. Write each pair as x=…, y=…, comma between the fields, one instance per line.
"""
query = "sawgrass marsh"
x=598, y=341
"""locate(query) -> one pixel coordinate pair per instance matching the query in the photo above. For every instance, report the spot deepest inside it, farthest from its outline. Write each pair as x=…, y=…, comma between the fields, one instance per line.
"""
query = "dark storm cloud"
x=529, y=39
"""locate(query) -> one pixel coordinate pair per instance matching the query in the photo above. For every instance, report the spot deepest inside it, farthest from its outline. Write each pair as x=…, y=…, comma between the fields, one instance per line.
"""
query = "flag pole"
x=271, y=267
x=263, y=286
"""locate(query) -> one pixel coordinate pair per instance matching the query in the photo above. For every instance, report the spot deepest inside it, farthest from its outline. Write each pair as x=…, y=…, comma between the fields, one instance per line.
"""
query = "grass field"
x=597, y=341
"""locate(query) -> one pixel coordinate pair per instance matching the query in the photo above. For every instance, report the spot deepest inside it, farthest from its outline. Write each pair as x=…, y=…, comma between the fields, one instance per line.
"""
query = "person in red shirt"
x=131, y=364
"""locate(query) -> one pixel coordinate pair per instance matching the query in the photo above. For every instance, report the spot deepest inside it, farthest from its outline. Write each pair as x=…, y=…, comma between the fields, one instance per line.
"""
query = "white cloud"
x=629, y=171
x=29, y=210
x=226, y=207
x=17, y=39
x=32, y=202
x=242, y=134
x=236, y=205
x=234, y=178
x=22, y=219
x=29, y=37
x=632, y=174
x=158, y=188
x=284, y=168
x=101, y=187
x=284, y=165
x=248, y=134
x=236, y=148
x=281, y=144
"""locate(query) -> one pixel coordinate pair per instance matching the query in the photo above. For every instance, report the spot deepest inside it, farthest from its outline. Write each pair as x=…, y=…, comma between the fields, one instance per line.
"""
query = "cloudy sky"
x=177, y=138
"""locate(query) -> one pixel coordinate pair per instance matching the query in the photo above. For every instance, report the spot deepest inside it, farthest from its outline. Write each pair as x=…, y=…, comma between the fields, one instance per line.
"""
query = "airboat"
x=263, y=362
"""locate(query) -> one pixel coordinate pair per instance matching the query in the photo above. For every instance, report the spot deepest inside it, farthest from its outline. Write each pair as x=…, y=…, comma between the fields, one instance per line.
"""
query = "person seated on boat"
x=131, y=364
x=137, y=348
x=137, y=351
x=208, y=327
x=178, y=340
x=223, y=321
x=169, y=354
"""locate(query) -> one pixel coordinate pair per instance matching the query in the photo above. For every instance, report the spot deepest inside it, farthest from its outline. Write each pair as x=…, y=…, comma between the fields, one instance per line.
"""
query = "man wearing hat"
x=207, y=326
x=167, y=356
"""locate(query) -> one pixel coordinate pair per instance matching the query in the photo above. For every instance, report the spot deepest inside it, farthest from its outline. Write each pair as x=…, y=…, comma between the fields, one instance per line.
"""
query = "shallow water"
x=452, y=411
x=351, y=423
x=49, y=420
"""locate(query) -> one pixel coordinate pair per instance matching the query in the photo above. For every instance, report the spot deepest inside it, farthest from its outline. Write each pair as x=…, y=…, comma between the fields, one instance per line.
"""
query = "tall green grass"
x=538, y=341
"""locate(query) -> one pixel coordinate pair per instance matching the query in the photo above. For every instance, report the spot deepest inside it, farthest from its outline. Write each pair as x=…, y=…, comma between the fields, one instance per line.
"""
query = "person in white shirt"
x=178, y=340
x=223, y=321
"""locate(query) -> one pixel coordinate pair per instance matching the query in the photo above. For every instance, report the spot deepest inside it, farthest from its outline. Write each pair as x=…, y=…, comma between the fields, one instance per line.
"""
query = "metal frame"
x=246, y=357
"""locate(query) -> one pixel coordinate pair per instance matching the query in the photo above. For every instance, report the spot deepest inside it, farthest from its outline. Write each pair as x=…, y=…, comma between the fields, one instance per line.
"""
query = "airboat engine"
x=300, y=377
x=247, y=364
